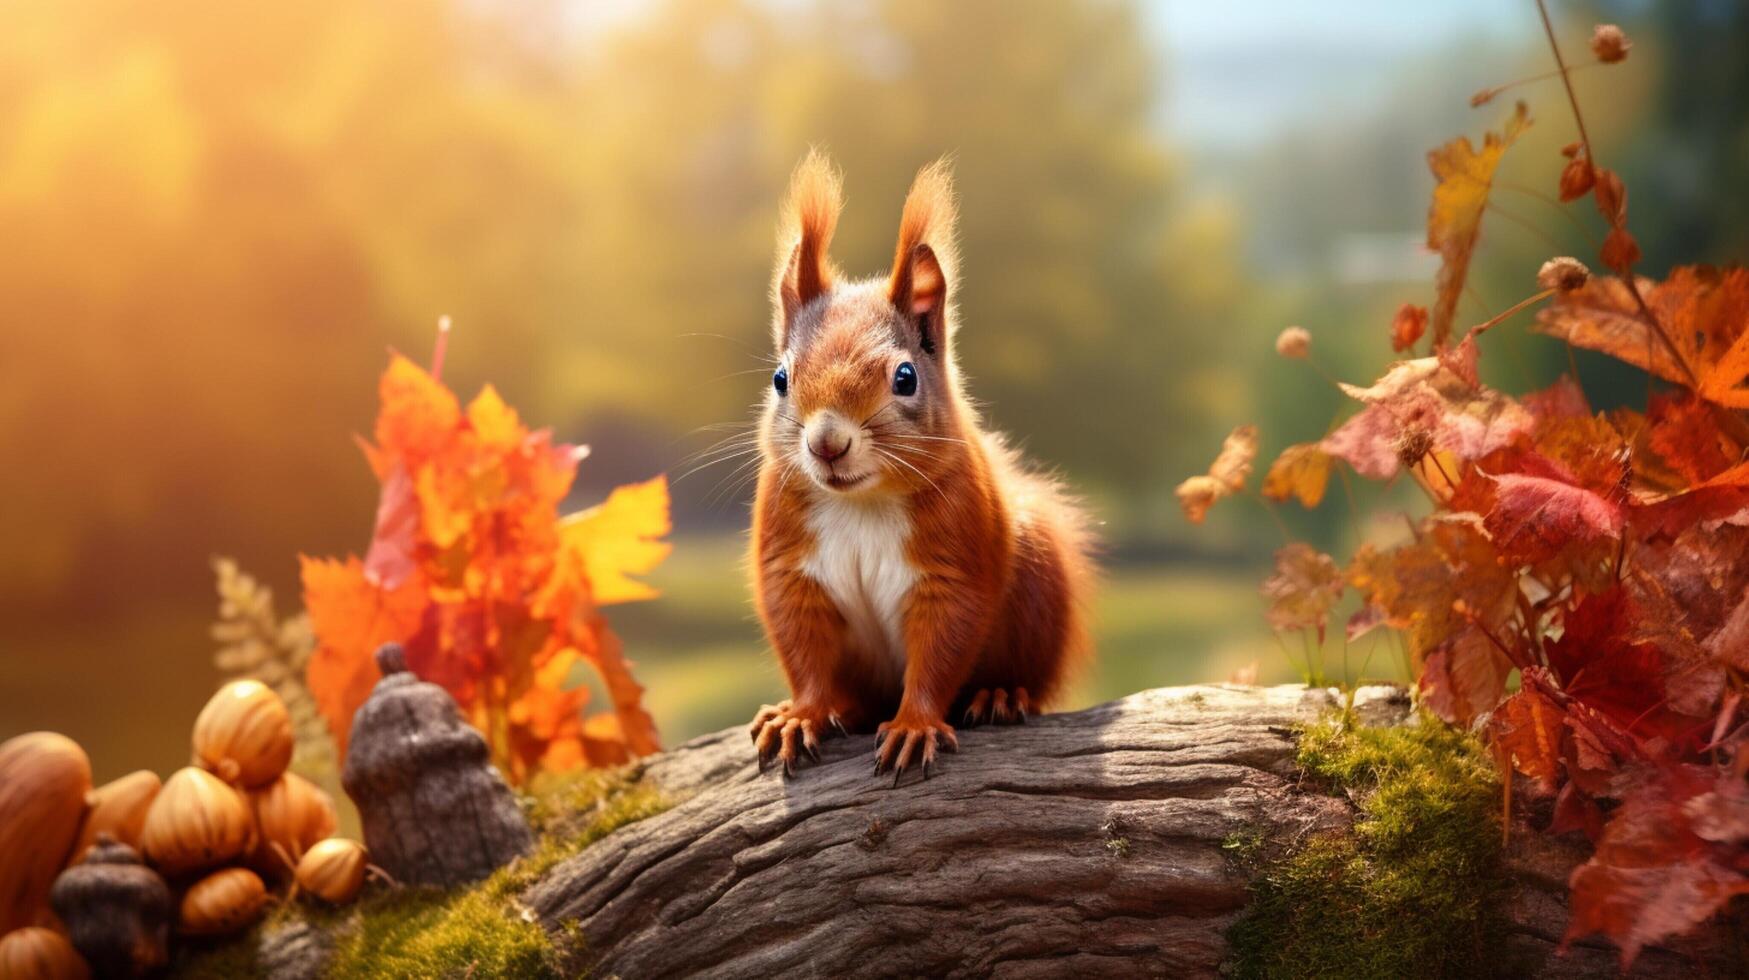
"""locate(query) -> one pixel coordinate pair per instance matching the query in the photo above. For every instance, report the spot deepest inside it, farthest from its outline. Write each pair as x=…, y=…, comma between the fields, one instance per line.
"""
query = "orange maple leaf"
x=492, y=595
x=352, y=615
x=1703, y=312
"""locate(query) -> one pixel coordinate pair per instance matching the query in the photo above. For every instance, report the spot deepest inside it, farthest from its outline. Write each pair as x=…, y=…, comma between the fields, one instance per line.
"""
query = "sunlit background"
x=215, y=218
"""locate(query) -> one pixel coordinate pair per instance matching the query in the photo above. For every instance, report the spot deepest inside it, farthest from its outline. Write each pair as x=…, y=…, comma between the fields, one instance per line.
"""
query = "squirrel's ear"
x=810, y=214
x=924, y=260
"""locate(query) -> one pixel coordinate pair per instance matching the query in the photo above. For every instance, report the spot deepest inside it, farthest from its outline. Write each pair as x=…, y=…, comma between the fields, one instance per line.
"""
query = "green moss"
x=429, y=933
x=1413, y=891
x=479, y=931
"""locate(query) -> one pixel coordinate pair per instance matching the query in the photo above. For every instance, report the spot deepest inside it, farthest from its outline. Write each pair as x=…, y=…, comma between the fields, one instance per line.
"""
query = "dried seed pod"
x=333, y=869
x=195, y=823
x=434, y=810
x=43, y=781
x=117, y=910
x=36, y=953
x=291, y=813
x=222, y=902
x=118, y=808
x=244, y=734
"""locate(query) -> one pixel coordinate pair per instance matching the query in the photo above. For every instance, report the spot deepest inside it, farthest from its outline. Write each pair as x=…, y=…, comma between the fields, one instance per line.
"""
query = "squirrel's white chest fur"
x=859, y=558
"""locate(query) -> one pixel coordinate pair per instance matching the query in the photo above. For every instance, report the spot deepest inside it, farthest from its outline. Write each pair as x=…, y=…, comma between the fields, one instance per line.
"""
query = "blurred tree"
x=1693, y=147
x=1088, y=282
x=217, y=216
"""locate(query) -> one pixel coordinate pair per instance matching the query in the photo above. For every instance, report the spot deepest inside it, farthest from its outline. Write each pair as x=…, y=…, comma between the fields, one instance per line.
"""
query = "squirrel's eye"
x=905, y=380
x=780, y=381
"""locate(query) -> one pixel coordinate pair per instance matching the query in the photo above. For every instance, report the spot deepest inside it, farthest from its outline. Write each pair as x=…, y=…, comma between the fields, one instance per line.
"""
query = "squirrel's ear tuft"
x=810, y=214
x=923, y=263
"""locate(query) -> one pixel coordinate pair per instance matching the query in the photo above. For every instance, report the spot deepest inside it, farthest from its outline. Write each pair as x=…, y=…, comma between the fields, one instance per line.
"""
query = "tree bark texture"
x=1081, y=844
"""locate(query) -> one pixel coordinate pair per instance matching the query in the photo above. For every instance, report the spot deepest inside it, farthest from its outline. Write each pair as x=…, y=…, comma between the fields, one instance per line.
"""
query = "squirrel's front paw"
x=782, y=730
x=900, y=742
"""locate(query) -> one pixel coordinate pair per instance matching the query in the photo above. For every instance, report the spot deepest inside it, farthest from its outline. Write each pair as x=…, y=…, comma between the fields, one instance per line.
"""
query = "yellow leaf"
x=494, y=423
x=1300, y=471
x=1454, y=219
x=620, y=538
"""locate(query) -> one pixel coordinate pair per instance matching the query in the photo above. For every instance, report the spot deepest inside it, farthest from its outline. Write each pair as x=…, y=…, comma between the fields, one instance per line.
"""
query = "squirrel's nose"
x=829, y=446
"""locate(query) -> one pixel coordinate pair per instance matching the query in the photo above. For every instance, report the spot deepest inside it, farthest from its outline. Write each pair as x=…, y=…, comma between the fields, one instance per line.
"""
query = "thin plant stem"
x=1528, y=225
x=1626, y=271
x=1506, y=314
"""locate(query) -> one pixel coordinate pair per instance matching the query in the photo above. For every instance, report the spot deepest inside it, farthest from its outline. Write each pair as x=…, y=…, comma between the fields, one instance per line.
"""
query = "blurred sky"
x=1241, y=74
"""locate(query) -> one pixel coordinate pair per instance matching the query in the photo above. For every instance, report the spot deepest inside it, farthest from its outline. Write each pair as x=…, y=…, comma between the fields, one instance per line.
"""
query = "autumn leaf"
x=1703, y=311
x=419, y=415
x=1464, y=676
x=1423, y=404
x=1443, y=590
x=1454, y=220
x=1563, y=399
x=1685, y=434
x=1300, y=471
x=1528, y=728
x=1653, y=876
x=1305, y=585
x=1225, y=477
x=352, y=614
x=391, y=560
x=620, y=538
x=1601, y=666
x=1407, y=326
x=491, y=595
x=1535, y=518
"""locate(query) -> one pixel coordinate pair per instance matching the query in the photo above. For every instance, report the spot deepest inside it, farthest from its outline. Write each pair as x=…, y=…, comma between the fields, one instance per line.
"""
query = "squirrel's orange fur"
x=906, y=563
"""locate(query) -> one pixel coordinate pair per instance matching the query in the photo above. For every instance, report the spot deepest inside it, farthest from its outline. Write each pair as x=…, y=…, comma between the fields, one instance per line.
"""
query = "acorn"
x=334, y=869
x=117, y=910
x=118, y=808
x=43, y=781
x=196, y=822
x=291, y=813
x=36, y=953
x=244, y=734
x=222, y=902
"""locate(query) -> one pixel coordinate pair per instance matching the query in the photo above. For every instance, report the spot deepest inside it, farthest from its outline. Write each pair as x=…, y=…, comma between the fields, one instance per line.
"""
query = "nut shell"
x=333, y=870
x=43, y=781
x=292, y=813
x=118, y=808
x=244, y=734
x=36, y=953
x=116, y=910
x=196, y=822
x=222, y=903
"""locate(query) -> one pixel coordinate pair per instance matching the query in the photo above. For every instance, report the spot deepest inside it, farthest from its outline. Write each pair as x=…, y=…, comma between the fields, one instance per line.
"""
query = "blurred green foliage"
x=217, y=216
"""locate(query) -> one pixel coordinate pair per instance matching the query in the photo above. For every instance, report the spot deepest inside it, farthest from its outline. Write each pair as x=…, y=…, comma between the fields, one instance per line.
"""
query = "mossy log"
x=1095, y=843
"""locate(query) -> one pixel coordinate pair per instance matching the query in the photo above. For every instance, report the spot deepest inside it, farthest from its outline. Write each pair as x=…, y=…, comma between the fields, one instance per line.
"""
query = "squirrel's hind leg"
x=998, y=706
x=1038, y=638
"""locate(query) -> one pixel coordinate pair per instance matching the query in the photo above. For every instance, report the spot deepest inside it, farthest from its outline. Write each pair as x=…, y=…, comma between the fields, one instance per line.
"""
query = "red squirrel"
x=904, y=560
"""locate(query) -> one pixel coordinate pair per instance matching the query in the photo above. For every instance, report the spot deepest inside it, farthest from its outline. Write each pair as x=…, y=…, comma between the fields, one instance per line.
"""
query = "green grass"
x=1413, y=891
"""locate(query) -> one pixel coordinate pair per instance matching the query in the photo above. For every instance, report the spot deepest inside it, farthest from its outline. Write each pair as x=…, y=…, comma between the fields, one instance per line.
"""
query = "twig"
x=1506, y=314
x=1626, y=271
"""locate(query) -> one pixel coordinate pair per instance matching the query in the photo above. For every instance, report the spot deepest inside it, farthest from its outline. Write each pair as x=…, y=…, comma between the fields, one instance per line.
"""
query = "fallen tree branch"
x=1085, y=844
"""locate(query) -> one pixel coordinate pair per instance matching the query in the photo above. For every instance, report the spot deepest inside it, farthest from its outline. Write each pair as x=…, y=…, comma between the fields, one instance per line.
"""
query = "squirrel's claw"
x=783, y=733
x=766, y=713
x=1000, y=706
x=899, y=746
